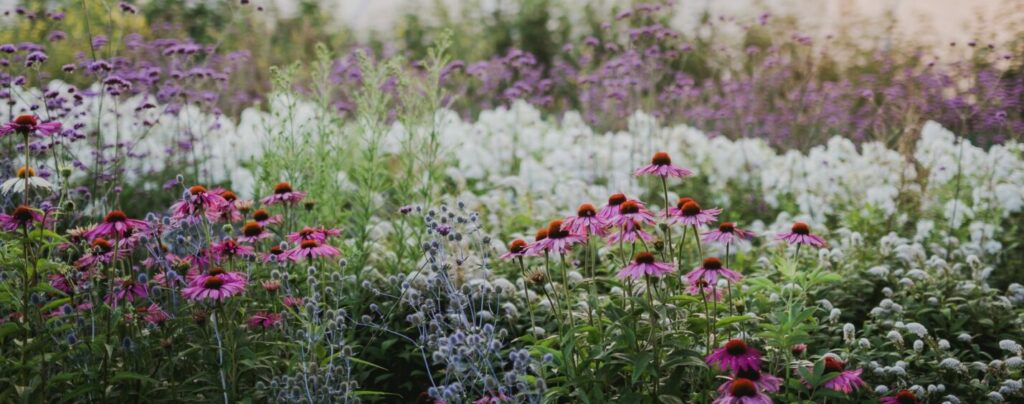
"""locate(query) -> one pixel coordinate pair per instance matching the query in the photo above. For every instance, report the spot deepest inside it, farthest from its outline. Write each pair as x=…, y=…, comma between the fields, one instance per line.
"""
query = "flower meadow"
x=406, y=226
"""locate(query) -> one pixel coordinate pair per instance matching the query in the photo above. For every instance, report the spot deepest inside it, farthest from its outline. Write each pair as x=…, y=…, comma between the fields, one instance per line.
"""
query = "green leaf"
x=640, y=364
x=725, y=321
x=132, y=376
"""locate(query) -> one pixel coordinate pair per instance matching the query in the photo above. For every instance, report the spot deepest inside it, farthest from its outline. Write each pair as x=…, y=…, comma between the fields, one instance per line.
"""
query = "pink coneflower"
x=586, y=222
x=253, y=232
x=735, y=356
x=292, y=301
x=276, y=254
x=308, y=233
x=60, y=282
x=742, y=391
x=710, y=271
x=727, y=233
x=21, y=217
x=847, y=381
x=558, y=240
x=311, y=249
x=630, y=234
x=264, y=218
x=198, y=200
x=703, y=288
x=229, y=248
x=283, y=194
x=228, y=212
x=102, y=252
x=264, y=320
x=29, y=124
x=645, y=265
x=538, y=238
x=217, y=285
x=688, y=212
x=631, y=212
x=611, y=209
x=271, y=286
x=901, y=397
x=116, y=225
x=516, y=249
x=161, y=278
x=126, y=290
x=764, y=381
x=155, y=315
x=801, y=234
x=661, y=165
x=493, y=398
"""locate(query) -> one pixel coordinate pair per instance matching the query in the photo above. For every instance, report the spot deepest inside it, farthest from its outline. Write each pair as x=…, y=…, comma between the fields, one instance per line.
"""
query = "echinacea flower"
x=198, y=200
x=689, y=213
x=102, y=252
x=630, y=234
x=229, y=248
x=60, y=282
x=558, y=239
x=276, y=254
x=901, y=397
x=643, y=265
x=29, y=124
x=153, y=314
x=801, y=234
x=532, y=250
x=611, y=209
x=228, y=212
x=847, y=381
x=742, y=391
x=310, y=249
x=22, y=217
x=495, y=397
x=253, y=232
x=116, y=225
x=516, y=249
x=25, y=175
x=126, y=290
x=283, y=193
x=764, y=381
x=215, y=285
x=711, y=270
x=292, y=301
x=264, y=320
x=704, y=288
x=632, y=212
x=586, y=222
x=661, y=165
x=264, y=218
x=308, y=233
x=727, y=233
x=735, y=356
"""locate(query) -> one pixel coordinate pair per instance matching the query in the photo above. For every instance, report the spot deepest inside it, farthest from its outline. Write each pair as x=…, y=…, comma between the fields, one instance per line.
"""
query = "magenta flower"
x=283, y=194
x=276, y=254
x=516, y=249
x=155, y=315
x=631, y=212
x=228, y=212
x=742, y=391
x=727, y=233
x=102, y=252
x=229, y=248
x=586, y=222
x=630, y=234
x=292, y=301
x=126, y=290
x=20, y=218
x=253, y=232
x=264, y=320
x=312, y=249
x=264, y=218
x=847, y=381
x=688, y=212
x=116, y=225
x=495, y=397
x=735, y=356
x=308, y=233
x=901, y=397
x=703, y=288
x=645, y=265
x=710, y=271
x=558, y=240
x=801, y=234
x=28, y=124
x=60, y=282
x=661, y=165
x=536, y=248
x=216, y=285
x=198, y=201
x=611, y=209
x=764, y=381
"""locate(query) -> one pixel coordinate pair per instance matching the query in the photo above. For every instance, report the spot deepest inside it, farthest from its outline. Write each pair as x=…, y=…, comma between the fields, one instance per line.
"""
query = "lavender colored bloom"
x=645, y=265
x=801, y=234
x=661, y=165
x=736, y=356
